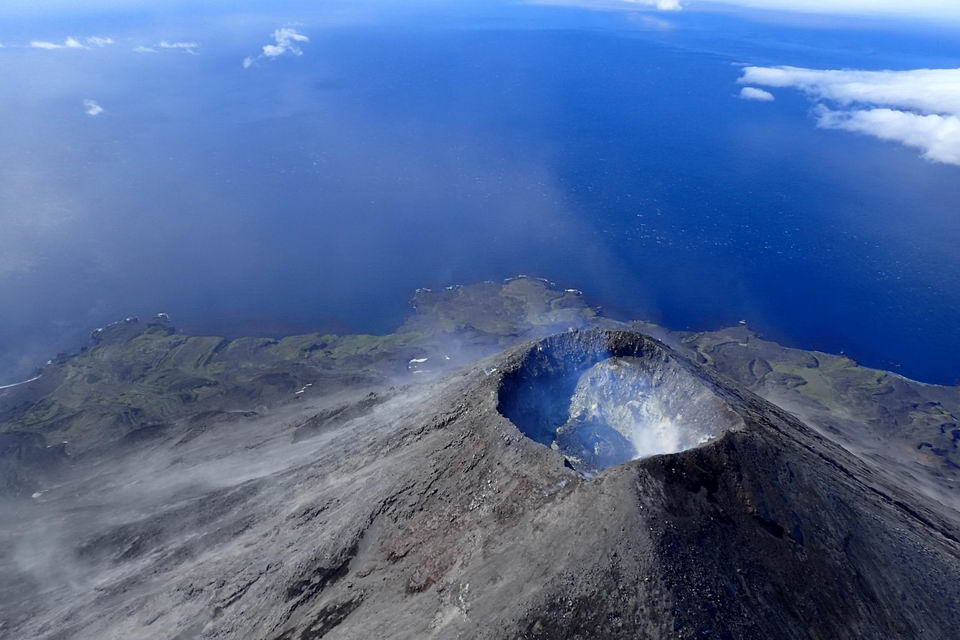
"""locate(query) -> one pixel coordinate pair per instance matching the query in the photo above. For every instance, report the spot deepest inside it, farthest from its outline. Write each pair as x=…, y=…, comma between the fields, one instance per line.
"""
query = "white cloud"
x=69, y=43
x=663, y=5
x=912, y=9
x=919, y=108
x=616, y=5
x=72, y=43
x=186, y=47
x=924, y=90
x=928, y=9
x=286, y=41
x=91, y=108
x=752, y=93
x=937, y=136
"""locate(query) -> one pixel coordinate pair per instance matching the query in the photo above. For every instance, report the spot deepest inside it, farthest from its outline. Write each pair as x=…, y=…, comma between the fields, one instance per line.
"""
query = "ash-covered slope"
x=462, y=502
x=905, y=428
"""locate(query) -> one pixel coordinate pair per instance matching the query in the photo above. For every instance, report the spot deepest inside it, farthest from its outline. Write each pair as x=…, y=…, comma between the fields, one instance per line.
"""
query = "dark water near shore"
x=448, y=145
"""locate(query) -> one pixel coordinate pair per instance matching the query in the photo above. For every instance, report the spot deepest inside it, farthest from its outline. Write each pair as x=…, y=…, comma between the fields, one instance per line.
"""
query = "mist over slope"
x=486, y=471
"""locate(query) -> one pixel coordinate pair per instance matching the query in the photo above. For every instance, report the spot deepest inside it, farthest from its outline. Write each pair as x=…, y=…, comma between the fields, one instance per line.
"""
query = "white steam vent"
x=621, y=410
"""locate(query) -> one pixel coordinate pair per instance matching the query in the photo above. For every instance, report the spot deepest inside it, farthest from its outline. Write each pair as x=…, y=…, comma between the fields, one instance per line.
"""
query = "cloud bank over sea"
x=918, y=108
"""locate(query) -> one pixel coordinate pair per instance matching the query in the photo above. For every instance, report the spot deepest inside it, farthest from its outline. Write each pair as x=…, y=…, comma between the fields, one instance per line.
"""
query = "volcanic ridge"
x=509, y=464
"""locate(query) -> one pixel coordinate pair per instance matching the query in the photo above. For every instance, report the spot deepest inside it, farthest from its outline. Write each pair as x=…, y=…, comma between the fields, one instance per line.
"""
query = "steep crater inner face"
x=604, y=398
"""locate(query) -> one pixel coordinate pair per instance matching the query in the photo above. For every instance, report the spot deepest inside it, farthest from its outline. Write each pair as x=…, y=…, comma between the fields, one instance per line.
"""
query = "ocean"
x=439, y=143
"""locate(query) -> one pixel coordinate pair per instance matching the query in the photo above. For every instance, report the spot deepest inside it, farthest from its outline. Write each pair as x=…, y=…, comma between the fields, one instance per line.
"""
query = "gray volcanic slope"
x=510, y=464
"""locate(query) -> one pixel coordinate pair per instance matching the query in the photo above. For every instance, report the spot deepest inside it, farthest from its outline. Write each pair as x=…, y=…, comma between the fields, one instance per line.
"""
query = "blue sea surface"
x=429, y=144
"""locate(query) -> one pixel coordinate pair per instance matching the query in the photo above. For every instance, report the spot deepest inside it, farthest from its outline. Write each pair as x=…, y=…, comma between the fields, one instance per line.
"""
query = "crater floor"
x=601, y=403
